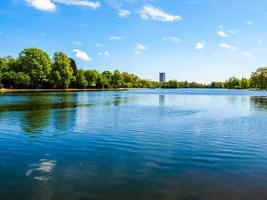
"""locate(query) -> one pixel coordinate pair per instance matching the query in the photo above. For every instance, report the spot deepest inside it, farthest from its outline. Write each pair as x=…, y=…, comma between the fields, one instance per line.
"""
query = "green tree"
x=116, y=79
x=36, y=64
x=62, y=73
x=13, y=79
x=3, y=65
x=244, y=83
x=91, y=77
x=232, y=83
x=259, y=78
x=81, y=80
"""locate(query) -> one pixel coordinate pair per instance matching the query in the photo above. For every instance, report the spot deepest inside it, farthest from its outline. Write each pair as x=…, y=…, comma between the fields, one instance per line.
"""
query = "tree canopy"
x=35, y=69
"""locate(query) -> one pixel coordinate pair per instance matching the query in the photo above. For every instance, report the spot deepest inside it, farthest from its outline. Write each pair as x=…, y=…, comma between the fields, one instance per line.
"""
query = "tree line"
x=257, y=80
x=34, y=69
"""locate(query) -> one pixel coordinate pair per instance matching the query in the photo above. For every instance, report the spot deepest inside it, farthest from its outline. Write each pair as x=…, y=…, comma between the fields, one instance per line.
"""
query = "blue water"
x=186, y=144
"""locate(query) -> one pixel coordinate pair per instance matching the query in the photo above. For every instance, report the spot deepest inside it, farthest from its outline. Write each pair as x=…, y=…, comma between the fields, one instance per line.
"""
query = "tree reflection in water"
x=259, y=102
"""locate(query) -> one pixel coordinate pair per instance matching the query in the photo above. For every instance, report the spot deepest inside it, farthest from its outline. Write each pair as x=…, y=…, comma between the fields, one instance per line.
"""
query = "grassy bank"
x=4, y=90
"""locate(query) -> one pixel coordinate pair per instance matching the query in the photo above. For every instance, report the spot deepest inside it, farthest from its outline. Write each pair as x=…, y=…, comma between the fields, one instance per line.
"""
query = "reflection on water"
x=41, y=170
x=137, y=144
x=161, y=100
x=259, y=102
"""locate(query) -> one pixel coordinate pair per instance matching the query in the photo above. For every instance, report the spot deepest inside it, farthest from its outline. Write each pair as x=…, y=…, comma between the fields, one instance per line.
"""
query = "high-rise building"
x=162, y=77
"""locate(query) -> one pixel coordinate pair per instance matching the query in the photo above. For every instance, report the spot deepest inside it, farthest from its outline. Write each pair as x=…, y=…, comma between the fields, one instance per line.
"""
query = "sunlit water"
x=134, y=145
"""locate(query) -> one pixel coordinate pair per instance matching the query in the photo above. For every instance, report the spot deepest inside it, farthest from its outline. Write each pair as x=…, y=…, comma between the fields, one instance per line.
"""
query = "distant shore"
x=3, y=90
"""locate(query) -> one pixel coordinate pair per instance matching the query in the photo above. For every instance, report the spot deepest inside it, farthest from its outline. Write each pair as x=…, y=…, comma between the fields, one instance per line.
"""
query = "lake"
x=185, y=144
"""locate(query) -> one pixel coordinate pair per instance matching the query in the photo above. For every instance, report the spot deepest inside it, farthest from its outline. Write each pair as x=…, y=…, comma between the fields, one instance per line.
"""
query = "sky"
x=194, y=40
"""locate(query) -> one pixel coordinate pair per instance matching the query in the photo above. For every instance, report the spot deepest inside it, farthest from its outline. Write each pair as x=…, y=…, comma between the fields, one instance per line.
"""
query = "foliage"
x=36, y=64
x=81, y=80
x=62, y=72
x=34, y=69
x=259, y=78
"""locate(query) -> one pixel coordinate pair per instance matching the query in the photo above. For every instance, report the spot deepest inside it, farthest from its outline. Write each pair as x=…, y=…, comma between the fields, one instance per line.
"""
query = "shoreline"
x=5, y=90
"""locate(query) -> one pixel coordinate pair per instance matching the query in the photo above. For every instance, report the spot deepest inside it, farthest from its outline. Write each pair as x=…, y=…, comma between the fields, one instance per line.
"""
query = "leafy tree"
x=216, y=85
x=91, y=77
x=62, y=73
x=116, y=79
x=259, y=78
x=3, y=65
x=81, y=80
x=232, y=83
x=16, y=80
x=75, y=71
x=36, y=64
x=73, y=66
x=244, y=83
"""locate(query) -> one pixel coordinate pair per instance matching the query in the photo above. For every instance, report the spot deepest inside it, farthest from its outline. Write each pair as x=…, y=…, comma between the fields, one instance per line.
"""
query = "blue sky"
x=195, y=40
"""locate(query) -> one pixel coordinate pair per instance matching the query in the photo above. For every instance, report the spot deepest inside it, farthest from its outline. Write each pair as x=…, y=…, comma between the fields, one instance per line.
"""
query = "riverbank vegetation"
x=34, y=69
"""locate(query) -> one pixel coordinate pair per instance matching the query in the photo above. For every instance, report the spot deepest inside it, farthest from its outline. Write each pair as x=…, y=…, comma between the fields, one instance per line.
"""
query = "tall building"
x=162, y=77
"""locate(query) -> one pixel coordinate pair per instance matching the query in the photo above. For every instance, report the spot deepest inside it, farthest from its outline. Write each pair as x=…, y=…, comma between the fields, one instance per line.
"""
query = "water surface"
x=133, y=145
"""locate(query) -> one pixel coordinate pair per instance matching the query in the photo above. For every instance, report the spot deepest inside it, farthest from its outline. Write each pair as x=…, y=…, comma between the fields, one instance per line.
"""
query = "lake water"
x=134, y=145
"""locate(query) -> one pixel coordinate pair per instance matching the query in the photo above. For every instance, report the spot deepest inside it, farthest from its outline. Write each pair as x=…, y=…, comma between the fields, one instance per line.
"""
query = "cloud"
x=41, y=170
x=105, y=53
x=250, y=22
x=150, y=12
x=248, y=54
x=115, y=38
x=81, y=55
x=139, y=48
x=78, y=43
x=98, y=45
x=44, y=5
x=222, y=34
x=227, y=46
x=236, y=33
x=123, y=13
x=84, y=3
x=200, y=45
x=172, y=39
x=50, y=5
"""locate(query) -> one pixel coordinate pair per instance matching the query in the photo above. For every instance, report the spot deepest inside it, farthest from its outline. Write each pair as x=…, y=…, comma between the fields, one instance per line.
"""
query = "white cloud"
x=84, y=3
x=248, y=54
x=98, y=45
x=222, y=34
x=123, y=13
x=41, y=170
x=236, y=33
x=250, y=22
x=172, y=39
x=105, y=53
x=150, y=12
x=200, y=45
x=82, y=55
x=78, y=43
x=227, y=46
x=50, y=5
x=139, y=48
x=44, y=5
x=115, y=38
